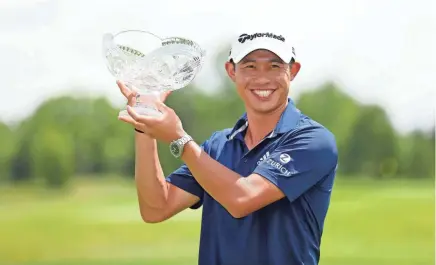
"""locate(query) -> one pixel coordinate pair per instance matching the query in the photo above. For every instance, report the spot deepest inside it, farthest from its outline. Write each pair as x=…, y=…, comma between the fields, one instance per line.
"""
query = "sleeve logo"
x=285, y=158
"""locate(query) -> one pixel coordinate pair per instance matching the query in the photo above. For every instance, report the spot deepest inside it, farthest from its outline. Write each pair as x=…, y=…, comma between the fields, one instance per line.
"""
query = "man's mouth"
x=263, y=93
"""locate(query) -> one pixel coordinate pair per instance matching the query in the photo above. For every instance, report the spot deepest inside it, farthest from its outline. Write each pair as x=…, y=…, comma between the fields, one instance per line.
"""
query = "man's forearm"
x=226, y=186
x=151, y=185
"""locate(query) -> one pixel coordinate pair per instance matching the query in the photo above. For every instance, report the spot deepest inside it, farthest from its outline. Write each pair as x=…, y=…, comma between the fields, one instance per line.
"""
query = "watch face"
x=175, y=149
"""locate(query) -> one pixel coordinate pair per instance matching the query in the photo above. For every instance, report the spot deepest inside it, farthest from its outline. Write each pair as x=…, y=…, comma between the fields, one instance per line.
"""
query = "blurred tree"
x=52, y=153
x=118, y=149
x=93, y=126
x=20, y=165
x=372, y=147
x=417, y=155
x=332, y=108
x=89, y=121
x=7, y=149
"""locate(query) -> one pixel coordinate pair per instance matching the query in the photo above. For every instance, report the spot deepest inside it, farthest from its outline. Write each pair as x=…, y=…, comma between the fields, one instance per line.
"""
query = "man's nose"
x=262, y=78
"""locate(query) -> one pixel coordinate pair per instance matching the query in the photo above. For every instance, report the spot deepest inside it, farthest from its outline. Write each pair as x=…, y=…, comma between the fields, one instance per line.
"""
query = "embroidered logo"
x=263, y=158
x=244, y=37
x=285, y=158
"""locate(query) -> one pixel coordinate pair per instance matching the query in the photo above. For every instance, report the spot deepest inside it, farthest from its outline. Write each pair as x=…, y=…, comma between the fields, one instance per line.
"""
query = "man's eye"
x=249, y=66
x=274, y=65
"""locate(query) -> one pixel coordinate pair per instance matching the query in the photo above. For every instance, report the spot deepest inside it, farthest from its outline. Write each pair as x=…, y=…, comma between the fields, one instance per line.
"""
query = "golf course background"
x=98, y=222
x=67, y=192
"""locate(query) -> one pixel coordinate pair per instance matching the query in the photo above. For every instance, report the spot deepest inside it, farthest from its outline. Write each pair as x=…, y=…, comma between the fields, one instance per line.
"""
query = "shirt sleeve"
x=183, y=179
x=300, y=161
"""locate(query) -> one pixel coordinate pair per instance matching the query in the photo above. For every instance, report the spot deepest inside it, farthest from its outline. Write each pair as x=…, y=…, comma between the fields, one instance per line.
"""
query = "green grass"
x=369, y=223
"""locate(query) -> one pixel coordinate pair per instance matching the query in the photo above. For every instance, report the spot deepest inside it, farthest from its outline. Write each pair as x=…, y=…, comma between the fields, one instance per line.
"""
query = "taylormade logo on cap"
x=244, y=37
x=267, y=40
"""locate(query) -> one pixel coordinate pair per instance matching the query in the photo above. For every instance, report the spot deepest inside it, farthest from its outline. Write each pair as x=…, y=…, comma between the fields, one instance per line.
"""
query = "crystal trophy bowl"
x=150, y=65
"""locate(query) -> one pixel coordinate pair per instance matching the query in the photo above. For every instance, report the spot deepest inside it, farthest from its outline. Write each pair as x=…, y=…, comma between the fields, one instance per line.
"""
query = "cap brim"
x=282, y=51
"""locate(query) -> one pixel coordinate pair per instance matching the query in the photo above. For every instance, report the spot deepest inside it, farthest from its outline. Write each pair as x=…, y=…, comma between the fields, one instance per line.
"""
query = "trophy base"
x=141, y=110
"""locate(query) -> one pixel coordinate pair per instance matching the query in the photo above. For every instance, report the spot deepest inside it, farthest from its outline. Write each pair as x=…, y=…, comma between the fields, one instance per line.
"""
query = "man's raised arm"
x=158, y=199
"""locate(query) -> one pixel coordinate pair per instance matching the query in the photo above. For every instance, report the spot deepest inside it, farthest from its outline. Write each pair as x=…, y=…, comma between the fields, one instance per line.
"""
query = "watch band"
x=184, y=140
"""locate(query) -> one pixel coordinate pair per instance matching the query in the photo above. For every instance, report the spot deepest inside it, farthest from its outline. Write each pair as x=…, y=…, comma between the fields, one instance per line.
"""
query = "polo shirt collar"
x=288, y=121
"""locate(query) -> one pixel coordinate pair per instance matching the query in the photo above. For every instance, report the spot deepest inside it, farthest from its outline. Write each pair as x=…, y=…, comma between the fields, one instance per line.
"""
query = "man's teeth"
x=263, y=93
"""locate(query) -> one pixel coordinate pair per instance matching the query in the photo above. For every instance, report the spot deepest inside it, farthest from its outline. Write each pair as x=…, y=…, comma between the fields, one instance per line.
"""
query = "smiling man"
x=265, y=184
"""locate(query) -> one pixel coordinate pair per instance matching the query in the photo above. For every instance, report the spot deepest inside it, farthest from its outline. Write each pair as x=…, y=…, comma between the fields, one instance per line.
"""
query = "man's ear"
x=295, y=68
x=230, y=69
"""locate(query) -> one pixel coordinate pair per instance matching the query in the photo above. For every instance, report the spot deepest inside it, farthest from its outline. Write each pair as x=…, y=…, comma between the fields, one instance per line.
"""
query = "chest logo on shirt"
x=263, y=158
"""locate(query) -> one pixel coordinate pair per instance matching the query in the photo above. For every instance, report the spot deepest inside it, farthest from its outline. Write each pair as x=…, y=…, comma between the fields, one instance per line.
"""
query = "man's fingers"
x=123, y=88
x=161, y=106
x=127, y=119
x=131, y=99
x=144, y=119
x=137, y=117
x=137, y=125
x=127, y=93
x=165, y=95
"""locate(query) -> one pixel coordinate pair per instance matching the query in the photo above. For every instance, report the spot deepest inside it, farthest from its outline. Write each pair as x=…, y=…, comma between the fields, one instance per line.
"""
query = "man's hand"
x=141, y=122
x=166, y=127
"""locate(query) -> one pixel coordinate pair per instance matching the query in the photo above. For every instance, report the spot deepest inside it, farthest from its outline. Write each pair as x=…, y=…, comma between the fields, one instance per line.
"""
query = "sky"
x=379, y=52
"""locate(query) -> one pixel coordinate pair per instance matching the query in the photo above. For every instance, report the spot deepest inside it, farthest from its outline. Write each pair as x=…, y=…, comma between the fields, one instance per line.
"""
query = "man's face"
x=262, y=80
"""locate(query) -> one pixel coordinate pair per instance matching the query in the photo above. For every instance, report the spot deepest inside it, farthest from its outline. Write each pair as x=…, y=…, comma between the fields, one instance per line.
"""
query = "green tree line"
x=78, y=136
x=69, y=136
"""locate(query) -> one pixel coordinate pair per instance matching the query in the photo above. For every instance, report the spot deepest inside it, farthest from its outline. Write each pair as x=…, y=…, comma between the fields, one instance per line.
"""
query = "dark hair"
x=291, y=62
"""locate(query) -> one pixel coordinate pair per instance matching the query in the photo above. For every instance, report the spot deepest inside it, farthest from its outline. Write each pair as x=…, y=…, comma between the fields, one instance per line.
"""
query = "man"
x=265, y=184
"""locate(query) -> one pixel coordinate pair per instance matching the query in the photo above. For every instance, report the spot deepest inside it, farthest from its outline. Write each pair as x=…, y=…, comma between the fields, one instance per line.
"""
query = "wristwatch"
x=176, y=146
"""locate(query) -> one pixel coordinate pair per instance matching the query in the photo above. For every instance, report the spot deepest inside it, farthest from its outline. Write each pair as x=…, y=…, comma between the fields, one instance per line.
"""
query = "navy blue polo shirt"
x=300, y=157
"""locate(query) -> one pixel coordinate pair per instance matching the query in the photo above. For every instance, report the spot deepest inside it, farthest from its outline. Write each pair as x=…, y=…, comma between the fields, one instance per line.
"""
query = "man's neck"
x=260, y=125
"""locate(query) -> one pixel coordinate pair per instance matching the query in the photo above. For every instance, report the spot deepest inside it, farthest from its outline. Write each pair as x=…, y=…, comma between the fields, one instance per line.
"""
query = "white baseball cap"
x=246, y=43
